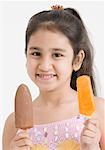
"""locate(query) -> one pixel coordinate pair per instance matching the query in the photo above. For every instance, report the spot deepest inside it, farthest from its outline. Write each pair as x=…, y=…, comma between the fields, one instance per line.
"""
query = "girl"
x=58, y=50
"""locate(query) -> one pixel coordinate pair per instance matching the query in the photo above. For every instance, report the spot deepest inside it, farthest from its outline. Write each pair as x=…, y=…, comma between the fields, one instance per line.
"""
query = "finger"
x=90, y=127
x=92, y=121
x=86, y=139
x=24, y=148
x=89, y=133
x=24, y=142
x=21, y=136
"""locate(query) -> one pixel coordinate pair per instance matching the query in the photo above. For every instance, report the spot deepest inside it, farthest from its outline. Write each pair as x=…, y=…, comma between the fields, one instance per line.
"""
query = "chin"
x=46, y=89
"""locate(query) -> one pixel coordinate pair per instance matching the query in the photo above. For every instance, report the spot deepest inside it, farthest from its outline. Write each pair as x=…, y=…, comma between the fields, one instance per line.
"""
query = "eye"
x=57, y=55
x=36, y=53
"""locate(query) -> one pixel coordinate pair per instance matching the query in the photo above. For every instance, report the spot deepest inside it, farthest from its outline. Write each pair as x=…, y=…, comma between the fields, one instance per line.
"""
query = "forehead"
x=46, y=38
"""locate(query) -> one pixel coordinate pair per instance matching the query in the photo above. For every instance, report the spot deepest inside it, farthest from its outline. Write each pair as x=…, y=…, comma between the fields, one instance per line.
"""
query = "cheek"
x=31, y=67
x=65, y=68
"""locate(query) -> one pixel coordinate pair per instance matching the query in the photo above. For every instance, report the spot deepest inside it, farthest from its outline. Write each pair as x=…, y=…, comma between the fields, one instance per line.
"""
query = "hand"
x=91, y=135
x=21, y=142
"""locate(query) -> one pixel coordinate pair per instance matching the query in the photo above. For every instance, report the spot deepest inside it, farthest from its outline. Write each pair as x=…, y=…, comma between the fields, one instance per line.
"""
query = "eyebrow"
x=59, y=49
x=34, y=48
x=40, y=49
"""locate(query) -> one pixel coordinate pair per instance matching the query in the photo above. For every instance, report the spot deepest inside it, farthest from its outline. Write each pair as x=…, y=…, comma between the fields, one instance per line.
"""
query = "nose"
x=45, y=64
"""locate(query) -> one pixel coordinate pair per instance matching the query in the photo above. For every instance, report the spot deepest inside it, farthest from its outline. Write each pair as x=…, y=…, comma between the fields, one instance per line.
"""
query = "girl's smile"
x=46, y=77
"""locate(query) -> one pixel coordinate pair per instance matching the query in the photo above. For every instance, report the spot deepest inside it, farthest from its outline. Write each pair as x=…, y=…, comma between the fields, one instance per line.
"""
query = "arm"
x=93, y=134
x=100, y=107
x=13, y=141
x=9, y=131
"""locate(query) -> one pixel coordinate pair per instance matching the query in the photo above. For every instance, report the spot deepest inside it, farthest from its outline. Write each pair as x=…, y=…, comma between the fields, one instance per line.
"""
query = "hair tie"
x=57, y=7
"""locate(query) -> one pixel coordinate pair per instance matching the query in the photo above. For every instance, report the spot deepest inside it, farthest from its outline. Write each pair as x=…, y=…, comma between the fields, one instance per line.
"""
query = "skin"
x=53, y=54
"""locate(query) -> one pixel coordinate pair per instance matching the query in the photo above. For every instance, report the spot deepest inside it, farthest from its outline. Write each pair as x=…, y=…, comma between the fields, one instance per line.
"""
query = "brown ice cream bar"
x=85, y=95
x=23, y=108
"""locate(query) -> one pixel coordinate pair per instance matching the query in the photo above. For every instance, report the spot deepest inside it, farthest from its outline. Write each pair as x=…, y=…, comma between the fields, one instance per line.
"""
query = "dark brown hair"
x=69, y=22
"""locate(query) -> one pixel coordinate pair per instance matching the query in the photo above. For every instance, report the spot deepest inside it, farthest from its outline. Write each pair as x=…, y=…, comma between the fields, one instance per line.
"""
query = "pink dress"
x=58, y=135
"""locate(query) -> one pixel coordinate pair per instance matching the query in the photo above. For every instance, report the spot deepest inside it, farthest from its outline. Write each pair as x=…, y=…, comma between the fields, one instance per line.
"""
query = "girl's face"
x=49, y=59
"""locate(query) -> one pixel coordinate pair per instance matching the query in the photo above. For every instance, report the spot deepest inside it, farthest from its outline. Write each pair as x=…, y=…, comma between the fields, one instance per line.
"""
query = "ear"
x=78, y=60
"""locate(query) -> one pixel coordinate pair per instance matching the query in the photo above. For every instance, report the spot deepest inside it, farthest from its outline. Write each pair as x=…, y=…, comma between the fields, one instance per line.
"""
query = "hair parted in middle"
x=68, y=22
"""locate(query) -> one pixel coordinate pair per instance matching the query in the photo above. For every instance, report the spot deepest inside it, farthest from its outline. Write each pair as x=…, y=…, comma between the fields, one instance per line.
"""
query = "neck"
x=56, y=97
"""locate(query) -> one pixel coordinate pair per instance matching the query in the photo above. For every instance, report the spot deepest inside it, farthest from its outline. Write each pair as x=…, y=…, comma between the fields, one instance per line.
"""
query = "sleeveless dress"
x=59, y=135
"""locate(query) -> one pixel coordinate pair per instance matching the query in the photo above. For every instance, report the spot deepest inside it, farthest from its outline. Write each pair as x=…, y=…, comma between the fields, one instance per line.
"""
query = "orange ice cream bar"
x=23, y=108
x=85, y=96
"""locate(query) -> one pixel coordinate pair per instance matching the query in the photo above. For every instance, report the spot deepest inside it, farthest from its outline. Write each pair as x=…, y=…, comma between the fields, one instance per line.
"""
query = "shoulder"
x=100, y=105
x=100, y=108
x=9, y=130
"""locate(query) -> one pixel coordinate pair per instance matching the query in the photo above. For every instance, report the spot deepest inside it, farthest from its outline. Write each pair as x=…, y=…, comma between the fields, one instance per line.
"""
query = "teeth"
x=43, y=76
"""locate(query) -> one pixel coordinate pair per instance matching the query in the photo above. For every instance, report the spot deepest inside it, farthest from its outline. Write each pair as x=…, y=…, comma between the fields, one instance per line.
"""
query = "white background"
x=14, y=17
